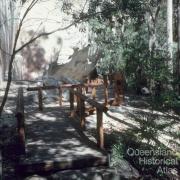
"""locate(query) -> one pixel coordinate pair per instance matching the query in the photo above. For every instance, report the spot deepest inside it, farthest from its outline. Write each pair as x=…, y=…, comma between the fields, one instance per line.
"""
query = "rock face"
x=57, y=48
x=79, y=67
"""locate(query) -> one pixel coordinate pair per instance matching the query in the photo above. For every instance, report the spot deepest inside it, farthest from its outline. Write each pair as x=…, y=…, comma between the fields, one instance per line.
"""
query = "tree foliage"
x=133, y=38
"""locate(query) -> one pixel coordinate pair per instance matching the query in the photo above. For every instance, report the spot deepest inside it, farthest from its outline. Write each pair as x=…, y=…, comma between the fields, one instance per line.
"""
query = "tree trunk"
x=8, y=84
x=1, y=73
x=178, y=55
x=8, y=9
x=170, y=33
x=152, y=34
x=12, y=52
x=9, y=12
x=152, y=18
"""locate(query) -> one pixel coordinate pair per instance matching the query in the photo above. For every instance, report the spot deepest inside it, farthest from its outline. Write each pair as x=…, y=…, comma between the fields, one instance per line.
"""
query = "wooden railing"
x=60, y=88
x=81, y=99
x=20, y=120
x=75, y=91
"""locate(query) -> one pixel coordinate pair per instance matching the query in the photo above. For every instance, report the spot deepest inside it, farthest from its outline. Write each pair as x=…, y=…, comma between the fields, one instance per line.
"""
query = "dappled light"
x=89, y=90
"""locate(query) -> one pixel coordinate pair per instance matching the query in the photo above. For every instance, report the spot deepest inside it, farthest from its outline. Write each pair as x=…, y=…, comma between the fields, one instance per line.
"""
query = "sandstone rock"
x=58, y=46
x=79, y=67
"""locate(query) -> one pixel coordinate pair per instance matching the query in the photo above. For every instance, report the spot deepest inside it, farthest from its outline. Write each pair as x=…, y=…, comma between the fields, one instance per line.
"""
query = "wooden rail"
x=80, y=99
x=53, y=87
x=105, y=90
x=60, y=88
x=20, y=120
x=81, y=109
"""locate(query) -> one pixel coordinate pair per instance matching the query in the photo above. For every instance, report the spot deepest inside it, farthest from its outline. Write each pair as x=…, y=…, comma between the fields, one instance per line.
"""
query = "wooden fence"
x=60, y=88
x=81, y=99
x=75, y=91
x=77, y=95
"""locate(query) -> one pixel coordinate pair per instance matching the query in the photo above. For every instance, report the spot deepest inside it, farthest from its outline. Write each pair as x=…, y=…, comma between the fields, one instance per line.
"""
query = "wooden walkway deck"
x=55, y=142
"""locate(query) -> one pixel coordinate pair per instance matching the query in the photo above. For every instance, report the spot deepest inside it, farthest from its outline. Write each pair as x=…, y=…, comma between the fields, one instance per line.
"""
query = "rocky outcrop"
x=78, y=68
x=56, y=48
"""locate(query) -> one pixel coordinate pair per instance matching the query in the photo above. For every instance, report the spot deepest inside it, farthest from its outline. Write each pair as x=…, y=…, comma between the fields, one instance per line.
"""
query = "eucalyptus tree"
x=170, y=29
x=9, y=13
x=178, y=53
x=120, y=24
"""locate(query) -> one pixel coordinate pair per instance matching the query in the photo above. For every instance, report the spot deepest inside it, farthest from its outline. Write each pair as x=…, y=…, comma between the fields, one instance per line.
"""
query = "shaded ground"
x=51, y=138
x=135, y=117
x=136, y=125
x=8, y=135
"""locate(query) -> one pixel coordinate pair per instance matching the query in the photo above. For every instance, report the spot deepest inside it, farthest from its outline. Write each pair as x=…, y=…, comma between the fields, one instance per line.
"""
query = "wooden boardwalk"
x=54, y=141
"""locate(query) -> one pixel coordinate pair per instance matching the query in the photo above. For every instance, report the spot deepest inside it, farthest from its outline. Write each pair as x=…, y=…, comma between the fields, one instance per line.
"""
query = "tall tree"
x=9, y=12
x=151, y=17
x=178, y=54
x=16, y=50
x=30, y=4
x=170, y=32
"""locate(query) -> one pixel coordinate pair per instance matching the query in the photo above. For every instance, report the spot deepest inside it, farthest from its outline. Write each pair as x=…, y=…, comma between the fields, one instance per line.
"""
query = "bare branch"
x=84, y=6
x=21, y=23
x=155, y=15
x=29, y=8
x=157, y=12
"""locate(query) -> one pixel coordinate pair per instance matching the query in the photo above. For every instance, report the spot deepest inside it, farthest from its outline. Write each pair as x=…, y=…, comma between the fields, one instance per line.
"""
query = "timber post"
x=100, y=130
x=94, y=93
x=82, y=114
x=20, y=120
x=60, y=96
x=71, y=99
x=99, y=109
x=86, y=87
x=79, y=89
x=105, y=90
x=118, y=88
x=40, y=99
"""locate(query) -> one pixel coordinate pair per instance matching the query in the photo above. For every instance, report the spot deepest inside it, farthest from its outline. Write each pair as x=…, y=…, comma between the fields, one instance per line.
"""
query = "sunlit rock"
x=58, y=47
x=80, y=65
